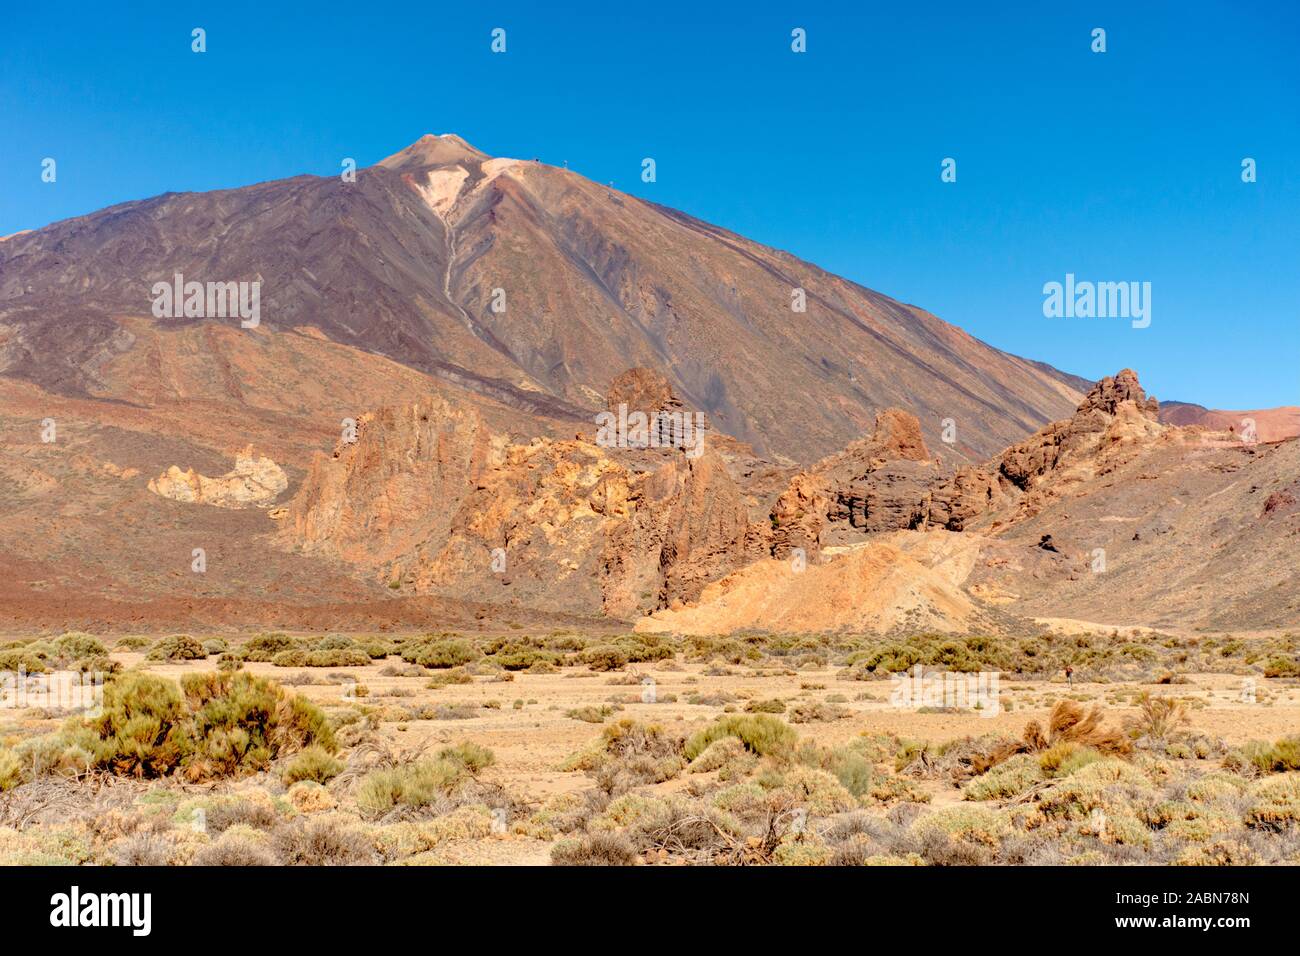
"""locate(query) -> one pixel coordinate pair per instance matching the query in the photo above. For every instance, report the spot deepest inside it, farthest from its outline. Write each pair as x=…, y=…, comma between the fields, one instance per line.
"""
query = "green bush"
x=264, y=647
x=140, y=731
x=377, y=648
x=518, y=657
x=215, y=724
x=1279, y=757
x=75, y=645
x=1282, y=667
x=315, y=763
x=606, y=657
x=761, y=733
x=23, y=659
x=457, y=675
x=177, y=647
x=411, y=785
x=334, y=642
x=346, y=657
x=441, y=653
x=471, y=756
x=11, y=769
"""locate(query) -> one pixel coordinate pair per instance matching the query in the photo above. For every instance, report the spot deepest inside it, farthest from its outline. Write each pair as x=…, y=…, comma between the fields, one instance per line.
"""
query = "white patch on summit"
x=443, y=188
x=493, y=168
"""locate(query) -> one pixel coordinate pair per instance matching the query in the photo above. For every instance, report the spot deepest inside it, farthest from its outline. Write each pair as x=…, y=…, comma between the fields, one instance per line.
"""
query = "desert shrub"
x=338, y=657
x=590, y=713
x=765, y=707
x=852, y=769
x=144, y=849
x=1105, y=785
x=215, y=724
x=140, y=730
x=816, y=711
x=472, y=757
x=252, y=810
x=1062, y=759
x=1009, y=779
x=1282, y=667
x=443, y=653
x=760, y=733
x=606, y=657
x=335, y=657
x=888, y=789
x=1261, y=757
x=463, y=711
x=518, y=657
x=683, y=826
x=456, y=675
x=1274, y=802
x=307, y=796
x=75, y=645
x=816, y=790
x=801, y=850
x=11, y=769
x=889, y=659
x=1225, y=852
x=728, y=756
x=131, y=643
x=629, y=754
x=377, y=648
x=241, y=722
x=314, y=763
x=215, y=645
x=177, y=647
x=405, y=670
x=1069, y=721
x=971, y=823
x=23, y=659
x=328, y=840
x=413, y=785
x=1157, y=719
x=334, y=642
x=238, y=846
x=264, y=647
x=646, y=648
x=603, y=848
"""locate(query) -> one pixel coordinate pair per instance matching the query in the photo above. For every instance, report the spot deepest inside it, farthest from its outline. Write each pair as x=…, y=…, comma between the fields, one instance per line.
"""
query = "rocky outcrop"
x=885, y=482
x=433, y=501
x=641, y=389
x=1116, y=414
x=254, y=482
x=396, y=484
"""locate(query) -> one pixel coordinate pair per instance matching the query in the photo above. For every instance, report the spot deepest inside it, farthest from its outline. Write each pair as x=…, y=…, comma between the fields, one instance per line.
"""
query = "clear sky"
x=1115, y=166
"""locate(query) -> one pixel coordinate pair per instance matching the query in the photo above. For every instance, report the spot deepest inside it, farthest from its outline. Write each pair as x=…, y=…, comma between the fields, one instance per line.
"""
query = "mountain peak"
x=433, y=150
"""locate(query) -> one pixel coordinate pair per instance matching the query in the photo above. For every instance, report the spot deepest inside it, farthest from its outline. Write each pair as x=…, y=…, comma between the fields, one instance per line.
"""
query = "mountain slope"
x=407, y=261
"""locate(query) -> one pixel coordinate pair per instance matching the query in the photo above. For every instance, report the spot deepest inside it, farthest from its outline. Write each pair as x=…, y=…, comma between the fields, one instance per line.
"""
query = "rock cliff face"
x=886, y=482
x=433, y=501
x=254, y=482
x=398, y=484
x=1115, y=420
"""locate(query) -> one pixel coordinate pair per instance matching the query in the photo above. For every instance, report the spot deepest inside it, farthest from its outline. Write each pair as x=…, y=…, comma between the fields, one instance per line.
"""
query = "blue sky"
x=1117, y=166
